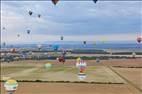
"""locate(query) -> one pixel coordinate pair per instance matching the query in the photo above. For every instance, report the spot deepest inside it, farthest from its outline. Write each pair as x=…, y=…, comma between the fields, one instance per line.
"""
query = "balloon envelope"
x=139, y=39
x=11, y=85
x=95, y=1
x=18, y=35
x=13, y=50
x=62, y=37
x=97, y=60
x=78, y=59
x=39, y=15
x=55, y=2
x=30, y=13
x=84, y=42
x=3, y=28
x=39, y=46
x=56, y=47
x=48, y=65
x=28, y=31
x=4, y=44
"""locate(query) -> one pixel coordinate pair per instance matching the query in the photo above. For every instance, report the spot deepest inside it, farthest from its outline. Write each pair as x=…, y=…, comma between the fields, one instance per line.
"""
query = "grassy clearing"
x=59, y=73
x=12, y=69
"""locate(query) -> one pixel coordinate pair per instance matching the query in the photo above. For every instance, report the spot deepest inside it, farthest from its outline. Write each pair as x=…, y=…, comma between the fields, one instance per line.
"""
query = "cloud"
x=47, y=38
x=71, y=18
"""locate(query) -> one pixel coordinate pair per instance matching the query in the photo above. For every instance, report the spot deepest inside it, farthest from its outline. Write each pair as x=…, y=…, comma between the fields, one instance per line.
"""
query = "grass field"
x=59, y=73
x=104, y=77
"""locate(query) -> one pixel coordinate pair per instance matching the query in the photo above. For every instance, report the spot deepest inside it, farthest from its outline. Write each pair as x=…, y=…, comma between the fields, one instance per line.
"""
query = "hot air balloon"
x=18, y=35
x=11, y=86
x=28, y=31
x=39, y=46
x=97, y=60
x=55, y=2
x=61, y=59
x=64, y=53
x=139, y=39
x=30, y=13
x=56, y=47
x=81, y=65
x=4, y=44
x=78, y=59
x=39, y=15
x=62, y=37
x=133, y=55
x=95, y=1
x=84, y=42
x=13, y=50
x=48, y=65
x=3, y=28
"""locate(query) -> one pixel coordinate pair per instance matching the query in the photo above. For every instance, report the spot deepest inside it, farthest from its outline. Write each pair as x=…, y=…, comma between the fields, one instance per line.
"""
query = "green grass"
x=12, y=69
x=60, y=73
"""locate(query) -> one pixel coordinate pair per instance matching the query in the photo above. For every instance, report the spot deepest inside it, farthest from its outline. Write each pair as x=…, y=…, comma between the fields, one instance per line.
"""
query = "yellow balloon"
x=11, y=82
x=78, y=59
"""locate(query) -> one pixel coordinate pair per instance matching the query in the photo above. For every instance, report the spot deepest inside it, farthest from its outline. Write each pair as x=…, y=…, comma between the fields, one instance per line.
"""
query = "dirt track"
x=70, y=88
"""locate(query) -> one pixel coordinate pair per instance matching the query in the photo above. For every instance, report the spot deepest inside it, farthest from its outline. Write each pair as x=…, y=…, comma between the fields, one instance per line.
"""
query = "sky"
x=75, y=20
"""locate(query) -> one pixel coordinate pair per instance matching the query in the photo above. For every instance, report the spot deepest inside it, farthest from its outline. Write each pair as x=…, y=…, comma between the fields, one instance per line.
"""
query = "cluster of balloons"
x=56, y=1
x=81, y=65
x=31, y=13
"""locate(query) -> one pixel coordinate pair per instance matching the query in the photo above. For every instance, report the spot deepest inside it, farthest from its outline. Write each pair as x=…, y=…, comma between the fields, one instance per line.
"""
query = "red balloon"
x=139, y=39
x=55, y=1
x=13, y=50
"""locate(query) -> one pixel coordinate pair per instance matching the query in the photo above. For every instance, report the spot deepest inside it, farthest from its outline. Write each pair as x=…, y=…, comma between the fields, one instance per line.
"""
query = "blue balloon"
x=56, y=47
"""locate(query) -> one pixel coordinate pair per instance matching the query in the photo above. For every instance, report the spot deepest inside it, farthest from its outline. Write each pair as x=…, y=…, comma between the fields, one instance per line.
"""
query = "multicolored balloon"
x=81, y=65
x=11, y=86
